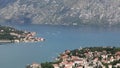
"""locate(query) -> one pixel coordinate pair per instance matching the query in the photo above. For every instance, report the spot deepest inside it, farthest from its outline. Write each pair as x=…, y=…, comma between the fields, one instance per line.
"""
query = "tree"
x=46, y=65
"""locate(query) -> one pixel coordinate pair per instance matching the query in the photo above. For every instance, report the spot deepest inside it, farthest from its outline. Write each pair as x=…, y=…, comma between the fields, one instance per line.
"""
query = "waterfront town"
x=26, y=37
x=91, y=57
x=12, y=35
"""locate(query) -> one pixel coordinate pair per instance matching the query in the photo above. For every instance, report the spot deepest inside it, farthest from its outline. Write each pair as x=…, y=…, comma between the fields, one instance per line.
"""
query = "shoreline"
x=12, y=35
x=87, y=57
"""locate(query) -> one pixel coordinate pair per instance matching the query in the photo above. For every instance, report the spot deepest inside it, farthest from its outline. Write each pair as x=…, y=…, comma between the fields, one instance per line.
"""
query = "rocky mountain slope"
x=63, y=12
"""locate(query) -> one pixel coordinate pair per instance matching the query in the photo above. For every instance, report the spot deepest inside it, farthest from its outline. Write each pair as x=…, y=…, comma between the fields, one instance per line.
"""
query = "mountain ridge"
x=62, y=12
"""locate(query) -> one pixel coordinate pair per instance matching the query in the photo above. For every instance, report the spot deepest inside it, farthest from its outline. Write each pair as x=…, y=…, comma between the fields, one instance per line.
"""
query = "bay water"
x=57, y=40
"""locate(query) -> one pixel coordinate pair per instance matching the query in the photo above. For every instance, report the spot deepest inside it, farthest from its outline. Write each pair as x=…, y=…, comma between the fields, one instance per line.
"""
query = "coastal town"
x=89, y=57
x=26, y=37
x=12, y=35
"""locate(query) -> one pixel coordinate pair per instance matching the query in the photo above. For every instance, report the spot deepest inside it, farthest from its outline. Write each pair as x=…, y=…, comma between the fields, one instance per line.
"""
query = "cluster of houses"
x=91, y=60
x=26, y=37
x=88, y=59
x=18, y=36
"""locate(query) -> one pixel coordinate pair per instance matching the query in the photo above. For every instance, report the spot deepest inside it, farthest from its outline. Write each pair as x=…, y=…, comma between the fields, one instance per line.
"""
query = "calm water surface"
x=58, y=39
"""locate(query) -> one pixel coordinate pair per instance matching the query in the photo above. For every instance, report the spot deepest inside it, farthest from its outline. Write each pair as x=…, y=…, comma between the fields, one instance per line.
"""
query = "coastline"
x=88, y=57
x=12, y=35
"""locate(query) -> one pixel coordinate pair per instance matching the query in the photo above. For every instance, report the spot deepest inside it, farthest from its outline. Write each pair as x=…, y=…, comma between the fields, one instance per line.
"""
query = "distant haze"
x=60, y=12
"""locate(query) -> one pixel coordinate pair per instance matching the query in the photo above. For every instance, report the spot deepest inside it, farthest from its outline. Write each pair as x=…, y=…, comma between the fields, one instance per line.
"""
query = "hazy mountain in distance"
x=61, y=12
x=4, y=3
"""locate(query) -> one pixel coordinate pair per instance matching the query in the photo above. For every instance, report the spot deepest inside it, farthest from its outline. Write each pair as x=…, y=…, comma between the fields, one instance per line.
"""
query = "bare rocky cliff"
x=61, y=12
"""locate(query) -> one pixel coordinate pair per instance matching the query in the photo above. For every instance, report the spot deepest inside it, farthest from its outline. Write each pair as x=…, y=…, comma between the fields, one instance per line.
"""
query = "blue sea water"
x=58, y=39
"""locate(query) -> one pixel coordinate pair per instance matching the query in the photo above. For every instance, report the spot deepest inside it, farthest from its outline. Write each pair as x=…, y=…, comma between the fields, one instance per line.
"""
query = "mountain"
x=4, y=3
x=61, y=12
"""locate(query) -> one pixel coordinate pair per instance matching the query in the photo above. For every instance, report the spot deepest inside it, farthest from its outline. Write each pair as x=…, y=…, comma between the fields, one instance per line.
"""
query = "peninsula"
x=12, y=35
x=88, y=57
